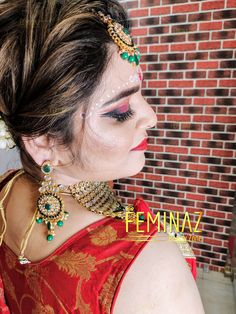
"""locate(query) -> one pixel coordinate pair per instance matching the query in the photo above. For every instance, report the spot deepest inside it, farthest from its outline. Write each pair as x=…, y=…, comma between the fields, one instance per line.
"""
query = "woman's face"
x=112, y=127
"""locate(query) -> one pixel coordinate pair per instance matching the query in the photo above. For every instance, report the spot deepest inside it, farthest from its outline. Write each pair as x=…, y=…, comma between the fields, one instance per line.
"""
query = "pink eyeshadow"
x=123, y=108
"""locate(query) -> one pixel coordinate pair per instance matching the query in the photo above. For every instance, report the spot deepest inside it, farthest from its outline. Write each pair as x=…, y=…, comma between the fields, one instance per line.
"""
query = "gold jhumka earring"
x=50, y=206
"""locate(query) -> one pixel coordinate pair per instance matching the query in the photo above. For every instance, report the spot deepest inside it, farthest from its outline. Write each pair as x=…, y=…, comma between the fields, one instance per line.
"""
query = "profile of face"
x=116, y=121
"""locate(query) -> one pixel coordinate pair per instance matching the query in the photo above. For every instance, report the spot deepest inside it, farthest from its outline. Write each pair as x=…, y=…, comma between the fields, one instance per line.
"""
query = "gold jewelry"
x=94, y=195
x=50, y=207
x=99, y=198
x=120, y=35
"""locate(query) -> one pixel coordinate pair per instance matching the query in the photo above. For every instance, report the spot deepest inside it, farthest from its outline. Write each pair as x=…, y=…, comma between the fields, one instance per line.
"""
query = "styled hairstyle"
x=52, y=57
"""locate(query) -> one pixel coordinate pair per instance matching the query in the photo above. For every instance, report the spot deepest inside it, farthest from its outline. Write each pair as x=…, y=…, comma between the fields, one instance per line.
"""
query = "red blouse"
x=83, y=275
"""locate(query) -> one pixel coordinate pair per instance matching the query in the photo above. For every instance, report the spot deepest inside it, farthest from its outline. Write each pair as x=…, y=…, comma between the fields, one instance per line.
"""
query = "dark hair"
x=52, y=57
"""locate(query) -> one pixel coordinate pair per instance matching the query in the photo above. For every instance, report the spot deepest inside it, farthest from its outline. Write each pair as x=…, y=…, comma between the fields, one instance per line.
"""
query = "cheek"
x=108, y=137
x=110, y=143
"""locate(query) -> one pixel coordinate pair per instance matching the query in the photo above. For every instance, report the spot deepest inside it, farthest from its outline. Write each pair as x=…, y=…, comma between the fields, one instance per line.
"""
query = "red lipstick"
x=141, y=146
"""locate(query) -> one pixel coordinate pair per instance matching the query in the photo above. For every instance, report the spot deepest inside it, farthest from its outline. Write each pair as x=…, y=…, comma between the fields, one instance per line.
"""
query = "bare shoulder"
x=159, y=281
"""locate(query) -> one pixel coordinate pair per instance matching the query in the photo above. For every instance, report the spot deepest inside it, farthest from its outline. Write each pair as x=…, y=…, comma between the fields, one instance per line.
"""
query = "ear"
x=40, y=148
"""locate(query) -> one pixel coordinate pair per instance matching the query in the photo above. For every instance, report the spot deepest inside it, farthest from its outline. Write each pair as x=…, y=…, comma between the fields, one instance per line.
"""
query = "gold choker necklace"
x=97, y=197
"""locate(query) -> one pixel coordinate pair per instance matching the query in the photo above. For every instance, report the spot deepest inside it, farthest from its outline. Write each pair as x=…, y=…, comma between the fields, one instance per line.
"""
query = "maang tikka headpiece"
x=121, y=36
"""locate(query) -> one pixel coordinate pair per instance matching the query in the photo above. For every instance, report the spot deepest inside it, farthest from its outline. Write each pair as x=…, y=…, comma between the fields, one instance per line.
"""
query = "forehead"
x=119, y=75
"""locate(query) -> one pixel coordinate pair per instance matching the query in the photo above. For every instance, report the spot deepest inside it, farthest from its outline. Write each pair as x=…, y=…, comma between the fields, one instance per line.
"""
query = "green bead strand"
x=124, y=55
x=131, y=59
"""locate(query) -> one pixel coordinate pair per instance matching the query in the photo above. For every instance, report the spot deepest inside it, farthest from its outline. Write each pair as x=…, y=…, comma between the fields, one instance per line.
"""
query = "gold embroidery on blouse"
x=80, y=303
x=76, y=264
x=43, y=309
x=108, y=290
x=104, y=236
x=34, y=280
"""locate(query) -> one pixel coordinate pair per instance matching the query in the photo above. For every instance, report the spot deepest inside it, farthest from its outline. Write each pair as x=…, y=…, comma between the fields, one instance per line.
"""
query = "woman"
x=70, y=86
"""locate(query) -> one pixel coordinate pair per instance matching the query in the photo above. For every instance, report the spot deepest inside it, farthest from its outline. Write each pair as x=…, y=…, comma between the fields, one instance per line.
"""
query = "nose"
x=147, y=117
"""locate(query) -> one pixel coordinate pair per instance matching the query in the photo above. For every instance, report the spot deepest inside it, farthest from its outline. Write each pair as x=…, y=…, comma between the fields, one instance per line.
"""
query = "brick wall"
x=188, y=59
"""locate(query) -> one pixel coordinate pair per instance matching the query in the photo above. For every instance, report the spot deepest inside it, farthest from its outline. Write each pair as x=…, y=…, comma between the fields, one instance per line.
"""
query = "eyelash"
x=121, y=117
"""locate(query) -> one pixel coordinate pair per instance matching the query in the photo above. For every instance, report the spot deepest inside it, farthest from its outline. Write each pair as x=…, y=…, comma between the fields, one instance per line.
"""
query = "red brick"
x=205, y=101
x=209, y=45
x=208, y=26
x=201, y=135
x=211, y=213
x=181, y=117
x=185, y=8
x=139, y=32
x=219, y=184
x=206, y=83
x=225, y=119
x=229, y=44
x=203, y=118
x=160, y=11
x=148, y=3
x=143, y=49
x=207, y=65
x=155, y=148
x=138, y=13
x=176, y=150
x=198, y=167
x=174, y=179
x=135, y=188
x=181, y=83
x=196, y=197
x=159, y=48
x=231, y=4
x=223, y=35
x=183, y=47
x=213, y=5
x=139, y=176
x=200, y=151
x=153, y=177
x=197, y=182
x=222, y=153
x=212, y=241
x=161, y=117
x=173, y=208
x=228, y=83
x=157, y=84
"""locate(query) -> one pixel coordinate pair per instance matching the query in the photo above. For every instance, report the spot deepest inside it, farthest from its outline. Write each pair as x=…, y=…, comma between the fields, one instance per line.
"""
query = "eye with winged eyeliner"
x=120, y=116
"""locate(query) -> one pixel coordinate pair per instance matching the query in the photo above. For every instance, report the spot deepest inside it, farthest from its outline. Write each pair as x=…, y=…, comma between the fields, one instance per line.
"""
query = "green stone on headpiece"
x=122, y=38
x=124, y=55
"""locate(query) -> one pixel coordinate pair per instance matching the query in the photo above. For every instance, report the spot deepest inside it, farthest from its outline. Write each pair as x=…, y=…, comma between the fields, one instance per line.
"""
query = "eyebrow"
x=122, y=94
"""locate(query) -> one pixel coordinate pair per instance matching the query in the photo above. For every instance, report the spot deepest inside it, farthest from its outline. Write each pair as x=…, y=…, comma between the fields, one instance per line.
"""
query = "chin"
x=136, y=167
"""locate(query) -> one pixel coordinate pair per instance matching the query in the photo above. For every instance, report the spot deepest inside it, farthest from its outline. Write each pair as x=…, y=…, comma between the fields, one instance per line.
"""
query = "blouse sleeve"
x=3, y=307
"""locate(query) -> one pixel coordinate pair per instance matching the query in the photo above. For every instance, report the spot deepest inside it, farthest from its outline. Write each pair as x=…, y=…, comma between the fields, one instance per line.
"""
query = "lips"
x=141, y=146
